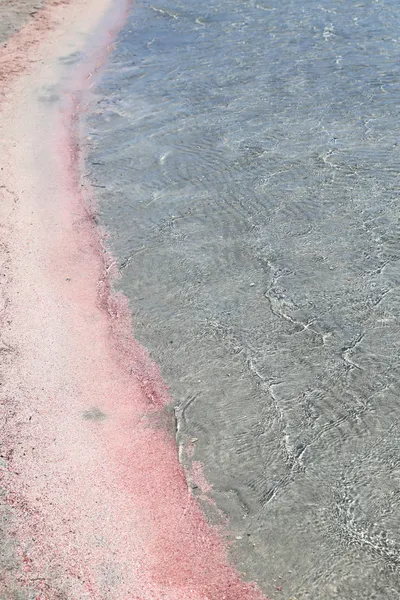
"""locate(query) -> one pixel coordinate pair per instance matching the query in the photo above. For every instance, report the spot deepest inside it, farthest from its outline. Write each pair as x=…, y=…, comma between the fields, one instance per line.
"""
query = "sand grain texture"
x=14, y=14
x=96, y=504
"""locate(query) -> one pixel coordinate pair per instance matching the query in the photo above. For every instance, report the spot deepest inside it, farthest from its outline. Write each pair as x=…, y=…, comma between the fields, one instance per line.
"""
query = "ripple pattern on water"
x=248, y=158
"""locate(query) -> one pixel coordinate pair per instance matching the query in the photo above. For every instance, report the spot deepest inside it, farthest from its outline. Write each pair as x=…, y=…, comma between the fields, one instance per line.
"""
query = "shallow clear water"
x=247, y=158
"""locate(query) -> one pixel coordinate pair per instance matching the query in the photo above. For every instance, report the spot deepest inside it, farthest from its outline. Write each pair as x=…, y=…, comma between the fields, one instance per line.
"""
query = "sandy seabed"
x=95, y=502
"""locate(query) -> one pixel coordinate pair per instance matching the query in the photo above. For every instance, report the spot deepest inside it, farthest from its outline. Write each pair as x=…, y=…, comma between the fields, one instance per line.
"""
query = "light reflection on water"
x=250, y=157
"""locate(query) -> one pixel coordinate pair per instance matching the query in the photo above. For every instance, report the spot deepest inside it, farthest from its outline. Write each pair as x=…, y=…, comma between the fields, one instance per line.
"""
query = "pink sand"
x=100, y=507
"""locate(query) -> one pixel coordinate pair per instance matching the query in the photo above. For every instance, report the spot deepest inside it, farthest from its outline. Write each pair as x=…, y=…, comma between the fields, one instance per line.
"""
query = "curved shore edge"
x=96, y=502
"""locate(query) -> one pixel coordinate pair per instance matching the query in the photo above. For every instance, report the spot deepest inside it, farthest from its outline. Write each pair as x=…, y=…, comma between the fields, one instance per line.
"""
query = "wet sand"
x=95, y=500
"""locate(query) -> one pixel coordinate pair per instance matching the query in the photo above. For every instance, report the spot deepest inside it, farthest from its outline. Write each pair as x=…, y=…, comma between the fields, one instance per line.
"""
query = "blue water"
x=247, y=158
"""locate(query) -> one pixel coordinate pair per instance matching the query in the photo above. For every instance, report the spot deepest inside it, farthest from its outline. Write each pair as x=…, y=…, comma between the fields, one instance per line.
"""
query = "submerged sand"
x=96, y=504
x=246, y=159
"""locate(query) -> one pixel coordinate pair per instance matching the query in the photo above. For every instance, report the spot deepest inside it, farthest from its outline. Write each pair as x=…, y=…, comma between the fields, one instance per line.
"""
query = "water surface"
x=247, y=162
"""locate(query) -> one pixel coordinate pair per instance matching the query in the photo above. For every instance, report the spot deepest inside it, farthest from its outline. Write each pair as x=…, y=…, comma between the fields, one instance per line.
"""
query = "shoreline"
x=99, y=502
x=249, y=184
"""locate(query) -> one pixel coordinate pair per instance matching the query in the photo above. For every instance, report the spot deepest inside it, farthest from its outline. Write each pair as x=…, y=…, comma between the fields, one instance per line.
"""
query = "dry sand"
x=95, y=502
x=14, y=14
